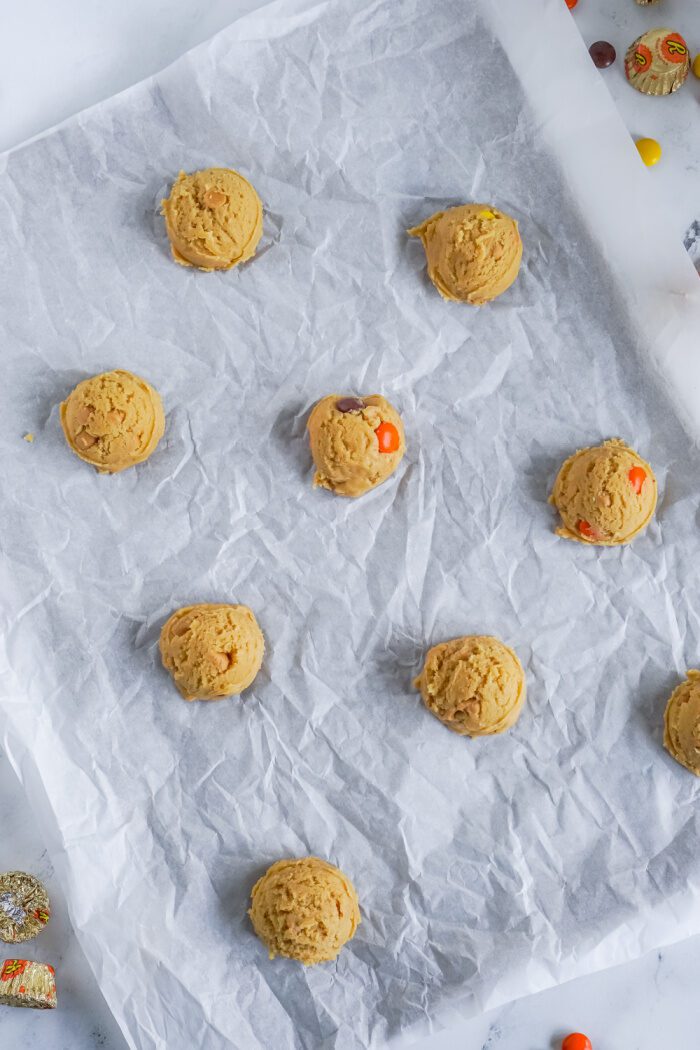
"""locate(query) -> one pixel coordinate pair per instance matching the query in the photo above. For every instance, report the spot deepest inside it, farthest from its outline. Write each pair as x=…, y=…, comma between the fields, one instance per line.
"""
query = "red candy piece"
x=571, y=4
x=388, y=437
x=590, y=533
x=576, y=1041
x=637, y=478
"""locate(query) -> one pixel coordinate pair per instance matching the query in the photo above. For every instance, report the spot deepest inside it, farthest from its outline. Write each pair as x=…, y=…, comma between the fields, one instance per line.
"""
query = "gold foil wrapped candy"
x=27, y=983
x=658, y=62
x=24, y=907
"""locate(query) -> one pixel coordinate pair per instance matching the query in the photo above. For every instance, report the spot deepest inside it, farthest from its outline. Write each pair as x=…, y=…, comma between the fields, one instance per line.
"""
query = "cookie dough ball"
x=356, y=442
x=304, y=909
x=682, y=723
x=605, y=494
x=212, y=650
x=113, y=420
x=214, y=219
x=473, y=252
x=474, y=685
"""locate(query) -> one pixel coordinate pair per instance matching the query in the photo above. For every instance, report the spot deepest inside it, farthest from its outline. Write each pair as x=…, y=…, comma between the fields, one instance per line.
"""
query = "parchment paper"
x=485, y=869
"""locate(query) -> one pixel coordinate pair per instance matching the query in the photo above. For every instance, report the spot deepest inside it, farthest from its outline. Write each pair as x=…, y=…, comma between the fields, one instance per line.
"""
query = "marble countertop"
x=59, y=56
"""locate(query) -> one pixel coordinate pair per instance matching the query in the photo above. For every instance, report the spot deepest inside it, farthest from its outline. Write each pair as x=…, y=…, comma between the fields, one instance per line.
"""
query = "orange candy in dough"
x=637, y=476
x=388, y=437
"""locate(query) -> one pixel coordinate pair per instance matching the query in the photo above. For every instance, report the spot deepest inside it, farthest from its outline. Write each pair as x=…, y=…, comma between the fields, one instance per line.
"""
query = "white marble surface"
x=58, y=56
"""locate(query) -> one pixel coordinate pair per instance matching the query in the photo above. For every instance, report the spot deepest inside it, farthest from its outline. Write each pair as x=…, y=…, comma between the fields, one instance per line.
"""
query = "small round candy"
x=576, y=1041
x=649, y=151
x=602, y=53
x=696, y=66
x=388, y=437
x=587, y=530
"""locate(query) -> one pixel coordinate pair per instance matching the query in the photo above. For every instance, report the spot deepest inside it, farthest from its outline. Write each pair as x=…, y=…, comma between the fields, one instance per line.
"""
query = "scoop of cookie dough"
x=113, y=420
x=212, y=651
x=605, y=494
x=356, y=442
x=475, y=685
x=473, y=252
x=214, y=219
x=304, y=909
x=682, y=723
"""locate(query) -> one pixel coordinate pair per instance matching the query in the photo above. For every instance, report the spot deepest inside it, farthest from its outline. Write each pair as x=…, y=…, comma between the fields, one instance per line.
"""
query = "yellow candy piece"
x=29, y=437
x=696, y=66
x=649, y=151
x=487, y=215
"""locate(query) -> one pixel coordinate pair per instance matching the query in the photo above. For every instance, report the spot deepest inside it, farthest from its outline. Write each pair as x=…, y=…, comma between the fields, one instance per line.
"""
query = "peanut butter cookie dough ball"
x=356, y=443
x=682, y=723
x=214, y=219
x=305, y=910
x=605, y=495
x=475, y=685
x=113, y=420
x=212, y=651
x=473, y=252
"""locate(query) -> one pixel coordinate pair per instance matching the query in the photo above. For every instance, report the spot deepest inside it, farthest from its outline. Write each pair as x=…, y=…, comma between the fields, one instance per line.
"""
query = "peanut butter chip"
x=178, y=629
x=83, y=414
x=214, y=198
x=219, y=660
x=84, y=440
x=115, y=417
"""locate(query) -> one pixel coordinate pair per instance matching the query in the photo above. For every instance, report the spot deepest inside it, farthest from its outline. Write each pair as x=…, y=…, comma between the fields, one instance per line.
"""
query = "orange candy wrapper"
x=24, y=907
x=658, y=62
x=28, y=984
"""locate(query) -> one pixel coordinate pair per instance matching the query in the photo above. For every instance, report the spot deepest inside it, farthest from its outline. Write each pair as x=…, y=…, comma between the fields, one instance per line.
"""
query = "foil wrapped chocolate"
x=658, y=62
x=24, y=907
x=27, y=983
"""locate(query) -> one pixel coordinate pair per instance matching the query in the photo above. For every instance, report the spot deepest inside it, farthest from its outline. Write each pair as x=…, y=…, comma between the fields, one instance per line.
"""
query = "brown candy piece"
x=350, y=404
x=603, y=54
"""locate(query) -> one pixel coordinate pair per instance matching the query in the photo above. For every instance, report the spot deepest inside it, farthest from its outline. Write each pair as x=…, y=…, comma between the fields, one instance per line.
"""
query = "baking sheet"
x=487, y=869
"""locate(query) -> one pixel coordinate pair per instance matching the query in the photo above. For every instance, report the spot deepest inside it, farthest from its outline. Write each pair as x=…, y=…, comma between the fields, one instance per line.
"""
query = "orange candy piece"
x=571, y=4
x=637, y=476
x=589, y=532
x=388, y=437
x=576, y=1041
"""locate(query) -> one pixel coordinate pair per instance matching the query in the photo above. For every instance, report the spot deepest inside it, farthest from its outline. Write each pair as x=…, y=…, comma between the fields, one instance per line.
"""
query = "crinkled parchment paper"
x=485, y=869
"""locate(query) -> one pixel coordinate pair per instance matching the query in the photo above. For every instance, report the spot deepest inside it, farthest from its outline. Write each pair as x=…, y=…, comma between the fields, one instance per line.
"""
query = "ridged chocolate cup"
x=658, y=62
